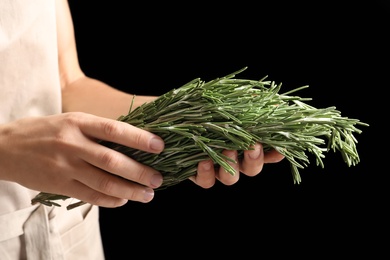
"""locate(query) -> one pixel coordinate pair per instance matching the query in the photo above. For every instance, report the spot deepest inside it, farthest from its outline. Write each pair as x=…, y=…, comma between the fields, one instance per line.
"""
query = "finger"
x=118, y=164
x=121, y=133
x=132, y=192
x=273, y=156
x=88, y=195
x=205, y=176
x=253, y=161
x=226, y=177
x=101, y=182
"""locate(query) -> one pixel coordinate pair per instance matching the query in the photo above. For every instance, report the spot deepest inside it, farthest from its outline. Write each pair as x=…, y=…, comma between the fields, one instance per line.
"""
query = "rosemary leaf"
x=200, y=119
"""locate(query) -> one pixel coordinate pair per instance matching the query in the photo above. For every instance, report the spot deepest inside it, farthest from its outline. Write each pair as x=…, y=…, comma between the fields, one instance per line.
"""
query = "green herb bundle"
x=200, y=119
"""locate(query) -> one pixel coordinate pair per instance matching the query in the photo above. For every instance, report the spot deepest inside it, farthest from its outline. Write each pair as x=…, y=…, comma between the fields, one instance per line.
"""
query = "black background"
x=339, y=49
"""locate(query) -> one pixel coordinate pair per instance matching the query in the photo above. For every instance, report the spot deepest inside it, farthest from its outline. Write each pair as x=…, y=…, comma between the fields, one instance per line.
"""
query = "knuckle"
x=96, y=198
x=72, y=119
x=110, y=160
x=109, y=129
x=142, y=175
x=67, y=129
x=112, y=129
x=106, y=185
x=138, y=138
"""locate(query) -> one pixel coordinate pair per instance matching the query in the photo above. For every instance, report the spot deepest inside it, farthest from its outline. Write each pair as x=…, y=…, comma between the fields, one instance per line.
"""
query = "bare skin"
x=60, y=153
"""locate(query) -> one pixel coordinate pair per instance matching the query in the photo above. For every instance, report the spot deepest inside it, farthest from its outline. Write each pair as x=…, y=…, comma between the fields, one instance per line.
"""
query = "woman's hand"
x=60, y=154
x=251, y=165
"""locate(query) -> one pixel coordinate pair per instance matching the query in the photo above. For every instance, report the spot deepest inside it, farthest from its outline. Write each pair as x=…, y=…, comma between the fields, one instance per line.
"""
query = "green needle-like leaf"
x=200, y=119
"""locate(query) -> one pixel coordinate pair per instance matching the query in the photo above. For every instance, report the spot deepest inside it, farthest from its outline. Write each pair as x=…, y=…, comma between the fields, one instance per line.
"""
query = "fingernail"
x=254, y=154
x=156, y=144
x=206, y=165
x=156, y=180
x=148, y=195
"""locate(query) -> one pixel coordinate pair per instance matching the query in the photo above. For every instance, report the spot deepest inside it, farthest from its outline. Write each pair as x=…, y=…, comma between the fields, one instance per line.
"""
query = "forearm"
x=80, y=93
x=95, y=97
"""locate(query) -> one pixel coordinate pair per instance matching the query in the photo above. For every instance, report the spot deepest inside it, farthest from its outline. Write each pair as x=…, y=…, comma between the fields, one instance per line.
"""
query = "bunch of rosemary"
x=200, y=119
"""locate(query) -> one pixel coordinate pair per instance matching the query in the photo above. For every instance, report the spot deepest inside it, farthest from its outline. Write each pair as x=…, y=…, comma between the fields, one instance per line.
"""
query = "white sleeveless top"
x=29, y=86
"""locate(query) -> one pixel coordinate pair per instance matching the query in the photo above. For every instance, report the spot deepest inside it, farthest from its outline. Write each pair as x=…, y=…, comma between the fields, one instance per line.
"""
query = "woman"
x=51, y=117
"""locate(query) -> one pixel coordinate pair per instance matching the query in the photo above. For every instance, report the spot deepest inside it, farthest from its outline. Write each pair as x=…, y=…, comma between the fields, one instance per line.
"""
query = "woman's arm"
x=80, y=92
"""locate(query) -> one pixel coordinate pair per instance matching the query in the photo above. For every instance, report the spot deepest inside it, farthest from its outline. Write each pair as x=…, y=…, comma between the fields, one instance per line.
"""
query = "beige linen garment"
x=29, y=86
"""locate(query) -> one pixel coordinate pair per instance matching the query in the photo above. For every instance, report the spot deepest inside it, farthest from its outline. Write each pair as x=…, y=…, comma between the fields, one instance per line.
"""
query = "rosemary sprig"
x=200, y=119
